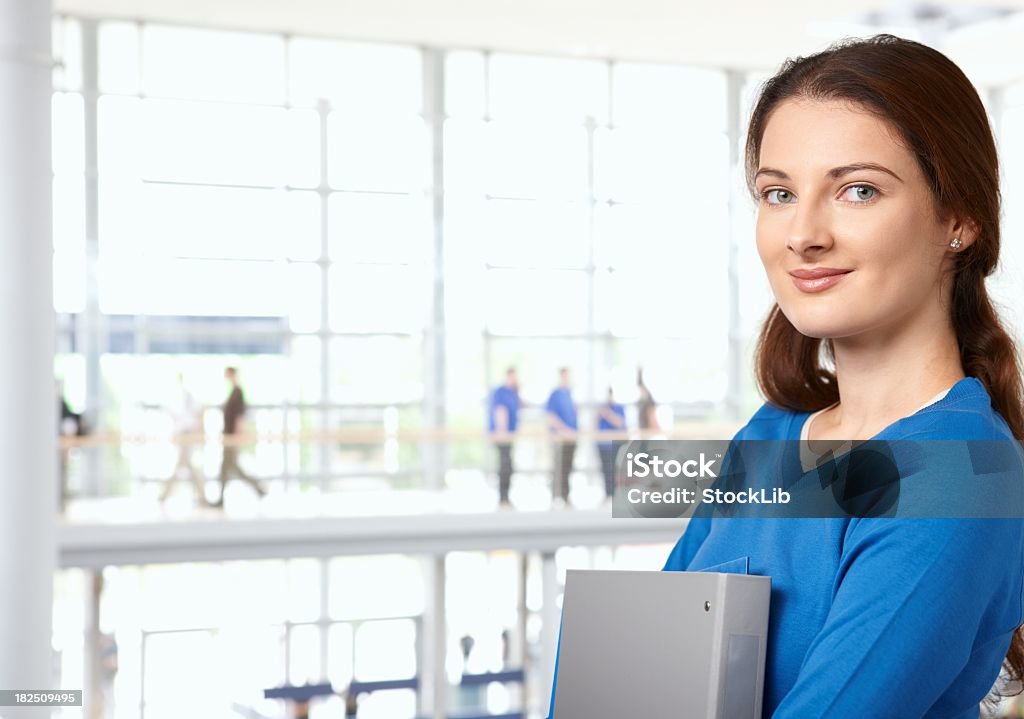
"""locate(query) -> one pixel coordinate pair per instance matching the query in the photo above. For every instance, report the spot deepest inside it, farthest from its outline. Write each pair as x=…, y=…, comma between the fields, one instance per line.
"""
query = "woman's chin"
x=818, y=327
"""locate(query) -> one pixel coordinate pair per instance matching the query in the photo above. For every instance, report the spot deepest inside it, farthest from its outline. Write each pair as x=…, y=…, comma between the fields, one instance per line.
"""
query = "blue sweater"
x=900, y=618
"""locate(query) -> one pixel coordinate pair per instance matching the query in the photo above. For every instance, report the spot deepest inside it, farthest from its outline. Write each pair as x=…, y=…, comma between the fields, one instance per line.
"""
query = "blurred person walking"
x=502, y=421
x=70, y=424
x=646, y=407
x=186, y=415
x=561, y=416
x=611, y=417
x=234, y=421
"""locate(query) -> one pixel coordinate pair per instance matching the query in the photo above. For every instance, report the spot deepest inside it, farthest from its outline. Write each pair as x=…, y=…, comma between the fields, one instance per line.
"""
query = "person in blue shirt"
x=561, y=415
x=502, y=422
x=876, y=178
x=611, y=417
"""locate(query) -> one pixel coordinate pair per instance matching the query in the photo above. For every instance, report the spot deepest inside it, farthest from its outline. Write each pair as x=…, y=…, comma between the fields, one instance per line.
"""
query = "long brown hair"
x=940, y=118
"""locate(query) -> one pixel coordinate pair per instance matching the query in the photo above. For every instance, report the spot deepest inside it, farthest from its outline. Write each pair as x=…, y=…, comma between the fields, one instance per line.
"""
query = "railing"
x=112, y=464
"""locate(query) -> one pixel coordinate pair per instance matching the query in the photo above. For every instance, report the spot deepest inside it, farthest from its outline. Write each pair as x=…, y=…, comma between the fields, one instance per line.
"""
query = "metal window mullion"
x=434, y=381
x=487, y=343
x=592, y=394
x=324, y=623
x=292, y=482
x=735, y=392
x=95, y=338
x=287, y=652
x=431, y=639
x=996, y=97
x=142, y=673
x=323, y=189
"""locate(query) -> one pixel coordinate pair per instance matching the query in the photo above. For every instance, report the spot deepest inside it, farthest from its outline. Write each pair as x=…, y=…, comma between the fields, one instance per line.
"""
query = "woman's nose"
x=809, y=232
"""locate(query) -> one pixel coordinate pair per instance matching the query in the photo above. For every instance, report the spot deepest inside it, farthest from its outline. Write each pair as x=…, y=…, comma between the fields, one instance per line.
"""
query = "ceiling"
x=729, y=33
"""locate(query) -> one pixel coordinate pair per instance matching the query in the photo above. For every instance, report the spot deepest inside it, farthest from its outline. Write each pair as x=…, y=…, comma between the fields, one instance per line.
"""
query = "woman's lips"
x=819, y=284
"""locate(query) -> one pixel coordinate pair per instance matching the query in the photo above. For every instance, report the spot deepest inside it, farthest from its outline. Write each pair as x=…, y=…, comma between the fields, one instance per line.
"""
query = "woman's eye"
x=859, y=193
x=778, y=197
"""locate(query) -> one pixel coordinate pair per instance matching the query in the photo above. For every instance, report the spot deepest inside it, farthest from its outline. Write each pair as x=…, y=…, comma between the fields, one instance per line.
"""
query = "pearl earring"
x=955, y=243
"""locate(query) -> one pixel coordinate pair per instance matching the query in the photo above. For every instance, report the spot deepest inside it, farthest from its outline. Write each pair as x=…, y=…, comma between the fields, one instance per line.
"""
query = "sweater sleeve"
x=912, y=600
x=693, y=536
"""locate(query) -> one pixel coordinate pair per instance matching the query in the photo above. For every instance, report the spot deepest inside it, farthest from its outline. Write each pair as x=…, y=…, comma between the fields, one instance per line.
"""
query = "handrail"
x=687, y=430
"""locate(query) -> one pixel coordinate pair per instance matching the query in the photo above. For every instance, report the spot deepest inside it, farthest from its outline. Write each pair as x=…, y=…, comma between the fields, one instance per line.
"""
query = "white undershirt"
x=808, y=458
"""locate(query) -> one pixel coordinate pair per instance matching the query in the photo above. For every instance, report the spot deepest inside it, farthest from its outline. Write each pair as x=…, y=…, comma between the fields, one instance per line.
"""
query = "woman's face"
x=839, y=192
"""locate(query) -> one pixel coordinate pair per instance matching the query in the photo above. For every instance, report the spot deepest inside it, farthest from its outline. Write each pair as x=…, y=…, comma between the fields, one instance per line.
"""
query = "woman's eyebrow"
x=835, y=173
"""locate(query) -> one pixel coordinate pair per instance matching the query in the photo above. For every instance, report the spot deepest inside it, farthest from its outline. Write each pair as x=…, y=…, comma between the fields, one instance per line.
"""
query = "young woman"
x=876, y=178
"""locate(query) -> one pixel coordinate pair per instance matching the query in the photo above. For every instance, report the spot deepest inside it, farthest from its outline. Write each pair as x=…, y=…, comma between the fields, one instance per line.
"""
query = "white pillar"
x=433, y=450
x=433, y=643
x=551, y=621
x=736, y=360
x=28, y=423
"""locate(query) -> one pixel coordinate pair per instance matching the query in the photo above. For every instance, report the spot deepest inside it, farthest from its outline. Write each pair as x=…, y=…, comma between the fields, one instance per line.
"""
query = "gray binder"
x=662, y=645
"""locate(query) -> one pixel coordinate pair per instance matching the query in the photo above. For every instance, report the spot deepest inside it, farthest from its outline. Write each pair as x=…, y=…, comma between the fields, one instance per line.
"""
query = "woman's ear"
x=966, y=231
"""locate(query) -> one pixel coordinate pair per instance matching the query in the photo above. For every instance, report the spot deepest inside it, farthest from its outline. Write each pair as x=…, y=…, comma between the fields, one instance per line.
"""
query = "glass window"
x=376, y=369
x=215, y=222
x=212, y=65
x=464, y=84
x=194, y=142
x=131, y=284
x=68, y=281
x=641, y=166
x=367, y=227
x=685, y=98
x=181, y=659
x=69, y=213
x=255, y=653
x=302, y=235
x=465, y=159
x=646, y=235
x=523, y=233
x=537, y=302
x=380, y=154
x=303, y=589
x=749, y=94
x=483, y=613
x=68, y=133
x=337, y=72
x=67, y=50
x=69, y=369
x=467, y=379
x=179, y=141
x=304, y=371
x=384, y=585
x=163, y=606
x=378, y=298
x=548, y=88
x=304, y=655
x=755, y=294
x=535, y=161
x=386, y=650
x=664, y=302
x=119, y=136
x=1006, y=280
x=119, y=57
x=304, y=297
x=340, y=665
x=69, y=592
